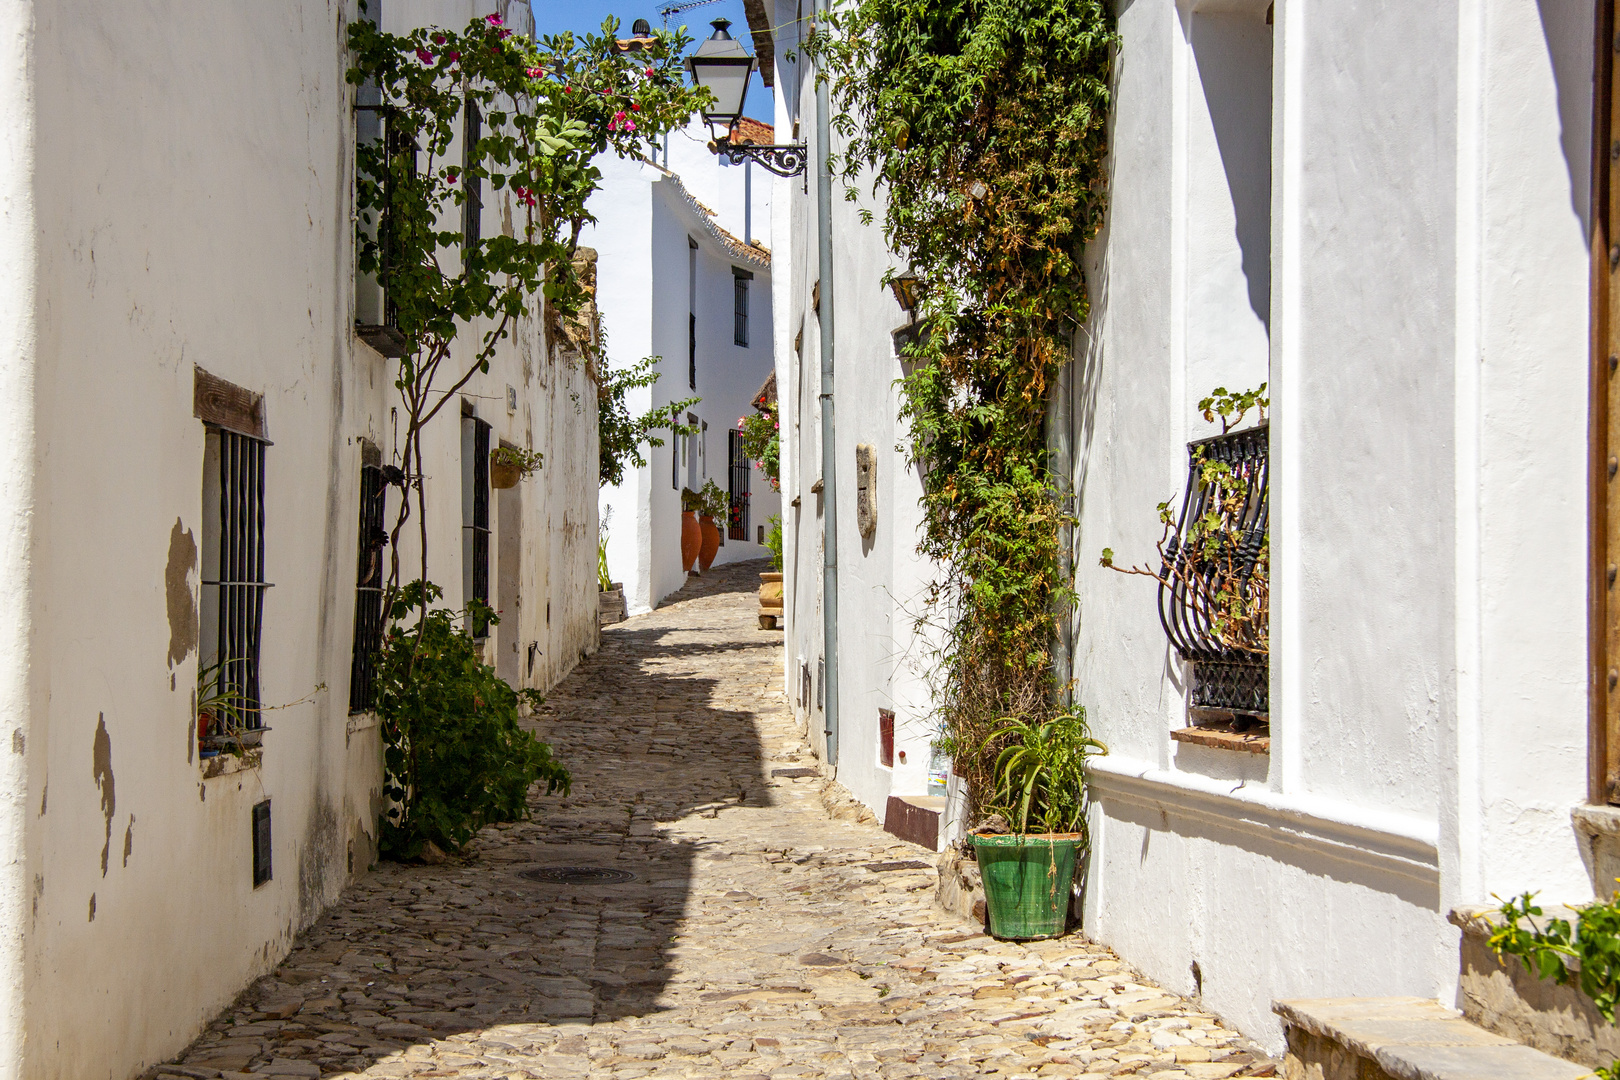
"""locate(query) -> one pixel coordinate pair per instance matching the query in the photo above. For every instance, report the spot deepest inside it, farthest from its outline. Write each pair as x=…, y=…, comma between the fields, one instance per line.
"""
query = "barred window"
x=232, y=613
x=737, y=527
x=475, y=516
x=368, y=597
x=739, y=303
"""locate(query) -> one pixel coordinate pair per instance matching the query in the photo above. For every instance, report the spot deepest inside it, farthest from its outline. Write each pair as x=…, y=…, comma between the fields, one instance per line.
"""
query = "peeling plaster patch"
x=44, y=797
x=19, y=741
x=39, y=891
x=191, y=728
x=182, y=609
x=129, y=839
x=101, y=770
x=92, y=907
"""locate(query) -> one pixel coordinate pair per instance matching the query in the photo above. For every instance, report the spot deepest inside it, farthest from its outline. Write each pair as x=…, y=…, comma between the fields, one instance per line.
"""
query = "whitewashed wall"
x=192, y=207
x=884, y=663
x=645, y=217
x=1381, y=211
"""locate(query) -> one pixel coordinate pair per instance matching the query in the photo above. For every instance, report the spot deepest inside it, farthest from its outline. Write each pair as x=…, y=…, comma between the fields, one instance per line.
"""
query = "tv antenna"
x=674, y=9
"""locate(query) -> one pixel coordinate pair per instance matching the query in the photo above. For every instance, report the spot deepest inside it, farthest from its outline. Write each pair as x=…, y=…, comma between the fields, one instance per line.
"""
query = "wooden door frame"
x=1603, y=723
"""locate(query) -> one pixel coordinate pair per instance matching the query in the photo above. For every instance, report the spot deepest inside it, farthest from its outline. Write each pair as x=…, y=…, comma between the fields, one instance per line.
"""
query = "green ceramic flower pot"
x=1026, y=883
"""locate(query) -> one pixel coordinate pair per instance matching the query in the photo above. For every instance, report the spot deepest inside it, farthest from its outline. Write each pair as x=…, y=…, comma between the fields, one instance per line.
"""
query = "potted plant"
x=691, y=532
x=770, y=582
x=1039, y=790
x=610, y=601
x=508, y=465
x=222, y=723
x=713, y=505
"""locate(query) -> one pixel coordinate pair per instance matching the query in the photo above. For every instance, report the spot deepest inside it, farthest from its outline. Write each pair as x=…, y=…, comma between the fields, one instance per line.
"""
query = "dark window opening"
x=472, y=183
x=886, y=738
x=233, y=553
x=475, y=517
x=262, y=849
x=739, y=304
x=368, y=599
x=691, y=351
x=737, y=527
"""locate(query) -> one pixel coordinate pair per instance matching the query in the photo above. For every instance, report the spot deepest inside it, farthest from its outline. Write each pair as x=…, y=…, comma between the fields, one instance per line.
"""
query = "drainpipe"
x=1060, y=462
x=829, y=450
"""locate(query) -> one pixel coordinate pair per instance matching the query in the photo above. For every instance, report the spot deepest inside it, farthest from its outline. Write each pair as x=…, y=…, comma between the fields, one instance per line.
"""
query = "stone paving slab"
x=755, y=940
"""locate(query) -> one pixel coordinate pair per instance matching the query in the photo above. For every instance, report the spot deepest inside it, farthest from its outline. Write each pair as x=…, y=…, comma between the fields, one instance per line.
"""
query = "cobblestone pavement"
x=761, y=936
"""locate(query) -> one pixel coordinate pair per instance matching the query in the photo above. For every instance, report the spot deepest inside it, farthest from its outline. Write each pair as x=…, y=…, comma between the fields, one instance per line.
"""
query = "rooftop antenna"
x=674, y=9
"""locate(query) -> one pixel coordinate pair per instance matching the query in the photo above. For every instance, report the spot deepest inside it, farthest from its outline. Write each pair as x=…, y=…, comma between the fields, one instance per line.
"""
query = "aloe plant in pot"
x=1039, y=789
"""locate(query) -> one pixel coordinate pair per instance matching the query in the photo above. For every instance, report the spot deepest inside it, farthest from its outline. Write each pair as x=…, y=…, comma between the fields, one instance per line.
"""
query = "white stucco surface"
x=171, y=207
x=651, y=282
x=1380, y=211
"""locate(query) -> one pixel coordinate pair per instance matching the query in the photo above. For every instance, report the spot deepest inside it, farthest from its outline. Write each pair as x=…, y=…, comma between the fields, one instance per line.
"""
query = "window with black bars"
x=368, y=597
x=738, y=526
x=233, y=552
x=475, y=517
x=739, y=304
x=691, y=350
x=472, y=183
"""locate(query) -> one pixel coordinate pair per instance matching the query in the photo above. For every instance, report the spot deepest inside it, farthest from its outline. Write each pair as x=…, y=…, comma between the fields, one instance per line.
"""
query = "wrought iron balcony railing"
x=1225, y=676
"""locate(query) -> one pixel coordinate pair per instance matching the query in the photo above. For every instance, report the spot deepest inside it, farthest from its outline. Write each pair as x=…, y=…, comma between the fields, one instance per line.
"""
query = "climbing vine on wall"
x=983, y=126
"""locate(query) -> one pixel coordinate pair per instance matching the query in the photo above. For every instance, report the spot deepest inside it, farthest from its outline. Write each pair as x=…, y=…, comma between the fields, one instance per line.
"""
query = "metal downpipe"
x=1060, y=465
x=829, y=449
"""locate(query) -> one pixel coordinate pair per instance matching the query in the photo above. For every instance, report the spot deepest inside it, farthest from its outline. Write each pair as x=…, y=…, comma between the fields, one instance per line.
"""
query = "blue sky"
x=554, y=16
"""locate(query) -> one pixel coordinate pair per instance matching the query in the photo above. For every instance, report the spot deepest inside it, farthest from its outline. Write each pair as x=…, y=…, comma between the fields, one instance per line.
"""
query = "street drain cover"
x=577, y=875
x=795, y=773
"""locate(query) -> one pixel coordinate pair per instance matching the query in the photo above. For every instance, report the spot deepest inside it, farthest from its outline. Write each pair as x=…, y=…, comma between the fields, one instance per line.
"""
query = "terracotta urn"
x=691, y=539
x=711, y=542
x=770, y=600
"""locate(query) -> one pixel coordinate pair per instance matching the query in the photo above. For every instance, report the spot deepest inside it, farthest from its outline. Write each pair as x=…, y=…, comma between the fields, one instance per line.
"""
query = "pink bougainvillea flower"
x=450, y=175
x=424, y=56
x=452, y=56
x=493, y=20
x=635, y=106
x=438, y=39
x=505, y=34
x=534, y=73
x=629, y=125
x=647, y=74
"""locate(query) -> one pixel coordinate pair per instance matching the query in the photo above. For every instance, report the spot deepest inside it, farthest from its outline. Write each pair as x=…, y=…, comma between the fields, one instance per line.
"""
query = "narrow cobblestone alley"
x=753, y=934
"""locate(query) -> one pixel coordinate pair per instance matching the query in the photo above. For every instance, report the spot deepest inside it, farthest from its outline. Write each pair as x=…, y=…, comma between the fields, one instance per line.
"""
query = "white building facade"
x=183, y=376
x=674, y=281
x=1385, y=213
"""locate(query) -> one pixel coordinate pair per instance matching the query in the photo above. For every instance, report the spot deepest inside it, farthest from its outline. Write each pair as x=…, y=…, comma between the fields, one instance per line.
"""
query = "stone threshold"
x=1405, y=1039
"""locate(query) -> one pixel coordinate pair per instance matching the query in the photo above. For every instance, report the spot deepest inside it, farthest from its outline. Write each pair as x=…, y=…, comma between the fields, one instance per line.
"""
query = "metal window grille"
x=475, y=516
x=238, y=583
x=1224, y=678
x=368, y=599
x=737, y=527
x=691, y=350
x=739, y=305
x=472, y=183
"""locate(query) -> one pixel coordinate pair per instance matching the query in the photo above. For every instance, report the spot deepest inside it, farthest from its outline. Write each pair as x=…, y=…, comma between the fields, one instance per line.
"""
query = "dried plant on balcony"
x=1214, y=563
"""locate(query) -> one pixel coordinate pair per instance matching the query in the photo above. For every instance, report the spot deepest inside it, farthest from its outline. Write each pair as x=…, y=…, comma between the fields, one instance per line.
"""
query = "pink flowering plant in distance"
x=762, y=441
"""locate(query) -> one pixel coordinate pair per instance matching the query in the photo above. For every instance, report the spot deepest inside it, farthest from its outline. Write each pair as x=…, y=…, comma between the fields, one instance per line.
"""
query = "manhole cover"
x=795, y=773
x=908, y=864
x=577, y=875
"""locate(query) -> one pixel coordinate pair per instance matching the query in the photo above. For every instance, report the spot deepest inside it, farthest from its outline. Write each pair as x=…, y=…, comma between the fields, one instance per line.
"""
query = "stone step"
x=915, y=818
x=1405, y=1039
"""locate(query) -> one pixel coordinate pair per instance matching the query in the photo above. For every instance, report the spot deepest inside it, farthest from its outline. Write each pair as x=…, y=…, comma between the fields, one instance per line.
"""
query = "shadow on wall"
x=416, y=953
x=1567, y=28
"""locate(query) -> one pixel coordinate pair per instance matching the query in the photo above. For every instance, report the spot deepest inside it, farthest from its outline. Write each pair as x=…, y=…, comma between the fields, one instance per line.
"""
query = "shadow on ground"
x=413, y=953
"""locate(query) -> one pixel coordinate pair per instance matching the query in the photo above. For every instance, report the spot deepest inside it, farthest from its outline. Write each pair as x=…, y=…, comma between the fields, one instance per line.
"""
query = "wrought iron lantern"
x=723, y=67
x=904, y=286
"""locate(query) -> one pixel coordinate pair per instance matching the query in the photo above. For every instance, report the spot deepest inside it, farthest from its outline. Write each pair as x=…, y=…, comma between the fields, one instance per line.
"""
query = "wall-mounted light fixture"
x=723, y=67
